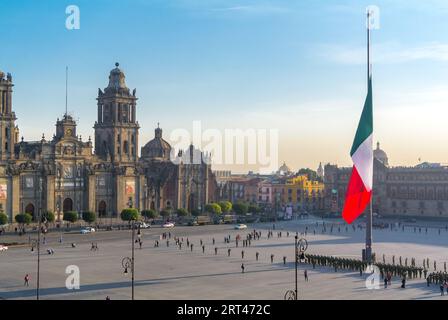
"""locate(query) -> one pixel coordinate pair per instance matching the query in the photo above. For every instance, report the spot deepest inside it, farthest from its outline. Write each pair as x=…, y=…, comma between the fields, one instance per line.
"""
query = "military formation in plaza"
x=411, y=272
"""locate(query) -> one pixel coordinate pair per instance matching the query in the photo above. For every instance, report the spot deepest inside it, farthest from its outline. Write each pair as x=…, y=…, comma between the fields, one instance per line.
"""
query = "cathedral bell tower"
x=116, y=130
x=8, y=130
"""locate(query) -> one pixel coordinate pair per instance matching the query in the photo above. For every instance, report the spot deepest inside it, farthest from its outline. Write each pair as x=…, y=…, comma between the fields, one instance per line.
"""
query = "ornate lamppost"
x=129, y=262
x=300, y=246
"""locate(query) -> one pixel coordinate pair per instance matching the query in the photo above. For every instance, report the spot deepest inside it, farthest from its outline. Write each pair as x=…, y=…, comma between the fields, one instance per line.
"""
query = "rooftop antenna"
x=66, y=90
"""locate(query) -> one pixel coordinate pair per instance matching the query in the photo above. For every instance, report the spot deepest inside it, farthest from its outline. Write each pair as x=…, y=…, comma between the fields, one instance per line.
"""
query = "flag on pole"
x=359, y=190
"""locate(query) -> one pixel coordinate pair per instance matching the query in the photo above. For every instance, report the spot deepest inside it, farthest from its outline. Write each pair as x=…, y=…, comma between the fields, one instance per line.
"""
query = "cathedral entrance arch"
x=102, y=208
x=30, y=209
x=67, y=205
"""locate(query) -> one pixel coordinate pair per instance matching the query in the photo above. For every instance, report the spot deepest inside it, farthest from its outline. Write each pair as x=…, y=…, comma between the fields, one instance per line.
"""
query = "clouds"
x=385, y=53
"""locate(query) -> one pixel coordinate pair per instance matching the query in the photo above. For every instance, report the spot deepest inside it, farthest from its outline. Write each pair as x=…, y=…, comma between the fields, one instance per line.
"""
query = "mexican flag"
x=359, y=190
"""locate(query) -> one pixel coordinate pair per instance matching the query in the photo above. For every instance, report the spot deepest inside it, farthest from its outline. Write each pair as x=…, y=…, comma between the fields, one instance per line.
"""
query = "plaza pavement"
x=170, y=273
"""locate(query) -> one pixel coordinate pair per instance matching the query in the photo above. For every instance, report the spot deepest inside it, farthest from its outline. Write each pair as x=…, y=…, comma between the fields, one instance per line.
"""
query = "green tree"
x=89, y=216
x=253, y=208
x=23, y=218
x=226, y=206
x=150, y=214
x=213, y=208
x=240, y=208
x=130, y=214
x=164, y=213
x=47, y=216
x=182, y=212
x=3, y=218
x=309, y=173
x=70, y=216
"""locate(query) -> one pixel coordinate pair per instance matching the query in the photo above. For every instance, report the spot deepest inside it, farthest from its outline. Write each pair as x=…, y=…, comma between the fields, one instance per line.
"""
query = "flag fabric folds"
x=359, y=190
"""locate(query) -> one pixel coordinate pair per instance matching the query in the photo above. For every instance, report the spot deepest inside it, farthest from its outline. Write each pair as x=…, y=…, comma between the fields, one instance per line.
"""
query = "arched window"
x=126, y=147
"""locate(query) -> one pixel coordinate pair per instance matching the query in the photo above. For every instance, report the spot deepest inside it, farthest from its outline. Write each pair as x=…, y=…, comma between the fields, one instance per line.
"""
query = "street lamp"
x=129, y=262
x=300, y=246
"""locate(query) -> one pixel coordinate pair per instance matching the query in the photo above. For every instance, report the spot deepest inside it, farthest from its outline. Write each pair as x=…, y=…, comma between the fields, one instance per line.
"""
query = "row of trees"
x=222, y=207
x=48, y=216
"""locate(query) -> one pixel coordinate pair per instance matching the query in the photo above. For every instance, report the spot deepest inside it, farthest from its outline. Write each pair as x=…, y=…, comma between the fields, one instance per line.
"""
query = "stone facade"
x=68, y=174
x=397, y=191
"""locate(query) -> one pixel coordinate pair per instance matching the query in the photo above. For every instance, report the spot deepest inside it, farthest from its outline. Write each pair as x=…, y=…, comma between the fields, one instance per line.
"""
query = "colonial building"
x=66, y=173
x=421, y=190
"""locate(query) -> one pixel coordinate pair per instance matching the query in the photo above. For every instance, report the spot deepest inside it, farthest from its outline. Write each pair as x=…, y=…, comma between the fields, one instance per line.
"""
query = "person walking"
x=213, y=241
x=203, y=249
x=228, y=252
x=191, y=247
x=305, y=274
x=385, y=282
x=27, y=280
x=284, y=259
x=242, y=254
x=442, y=289
x=256, y=255
x=242, y=268
x=216, y=251
x=272, y=258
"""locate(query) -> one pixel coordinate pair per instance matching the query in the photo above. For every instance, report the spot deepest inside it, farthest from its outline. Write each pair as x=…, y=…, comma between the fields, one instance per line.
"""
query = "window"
x=126, y=147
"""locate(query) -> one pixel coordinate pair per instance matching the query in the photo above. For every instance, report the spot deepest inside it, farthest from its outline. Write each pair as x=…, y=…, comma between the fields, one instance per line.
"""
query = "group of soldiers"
x=437, y=278
x=337, y=263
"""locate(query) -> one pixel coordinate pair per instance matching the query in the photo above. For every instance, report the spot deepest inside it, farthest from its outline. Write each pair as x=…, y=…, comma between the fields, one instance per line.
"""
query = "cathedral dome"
x=157, y=148
x=284, y=169
x=380, y=155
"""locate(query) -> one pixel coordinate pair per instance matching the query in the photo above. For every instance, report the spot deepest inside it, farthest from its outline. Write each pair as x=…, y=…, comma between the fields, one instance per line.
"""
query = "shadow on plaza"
x=418, y=283
x=29, y=293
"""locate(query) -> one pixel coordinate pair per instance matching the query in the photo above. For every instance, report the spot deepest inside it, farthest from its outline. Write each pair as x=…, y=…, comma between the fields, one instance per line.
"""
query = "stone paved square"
x=170, y=273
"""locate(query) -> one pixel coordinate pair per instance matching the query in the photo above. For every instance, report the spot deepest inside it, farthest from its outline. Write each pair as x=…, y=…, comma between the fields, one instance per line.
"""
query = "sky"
x=298, y=67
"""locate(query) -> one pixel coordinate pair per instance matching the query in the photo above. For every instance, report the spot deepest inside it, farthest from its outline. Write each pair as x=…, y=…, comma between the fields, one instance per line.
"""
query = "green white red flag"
x=359, y=190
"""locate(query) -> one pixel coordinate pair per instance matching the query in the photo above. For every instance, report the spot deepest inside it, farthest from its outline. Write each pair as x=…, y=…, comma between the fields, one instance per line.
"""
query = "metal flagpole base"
x=367, y=255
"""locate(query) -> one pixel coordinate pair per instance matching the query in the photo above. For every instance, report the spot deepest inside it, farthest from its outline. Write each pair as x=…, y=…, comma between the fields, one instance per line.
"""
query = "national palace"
x=69, y=174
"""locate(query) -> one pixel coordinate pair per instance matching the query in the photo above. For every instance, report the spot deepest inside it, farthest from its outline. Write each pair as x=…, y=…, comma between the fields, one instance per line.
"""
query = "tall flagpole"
x=368, y=252
x=66, y=90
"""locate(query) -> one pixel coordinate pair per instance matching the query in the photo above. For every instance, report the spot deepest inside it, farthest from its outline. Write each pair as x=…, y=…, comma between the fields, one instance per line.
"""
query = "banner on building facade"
x=130, y=187
x=3, y=191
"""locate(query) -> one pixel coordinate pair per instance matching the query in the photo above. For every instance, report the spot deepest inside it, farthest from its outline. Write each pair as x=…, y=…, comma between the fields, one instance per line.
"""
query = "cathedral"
x=107, y=176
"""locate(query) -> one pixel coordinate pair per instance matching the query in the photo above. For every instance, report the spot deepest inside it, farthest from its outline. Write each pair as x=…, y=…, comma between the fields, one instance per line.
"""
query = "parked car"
x=240, y=226
x=168, y=225
x=87, y=230
x=3, y=248
x=142, y=225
